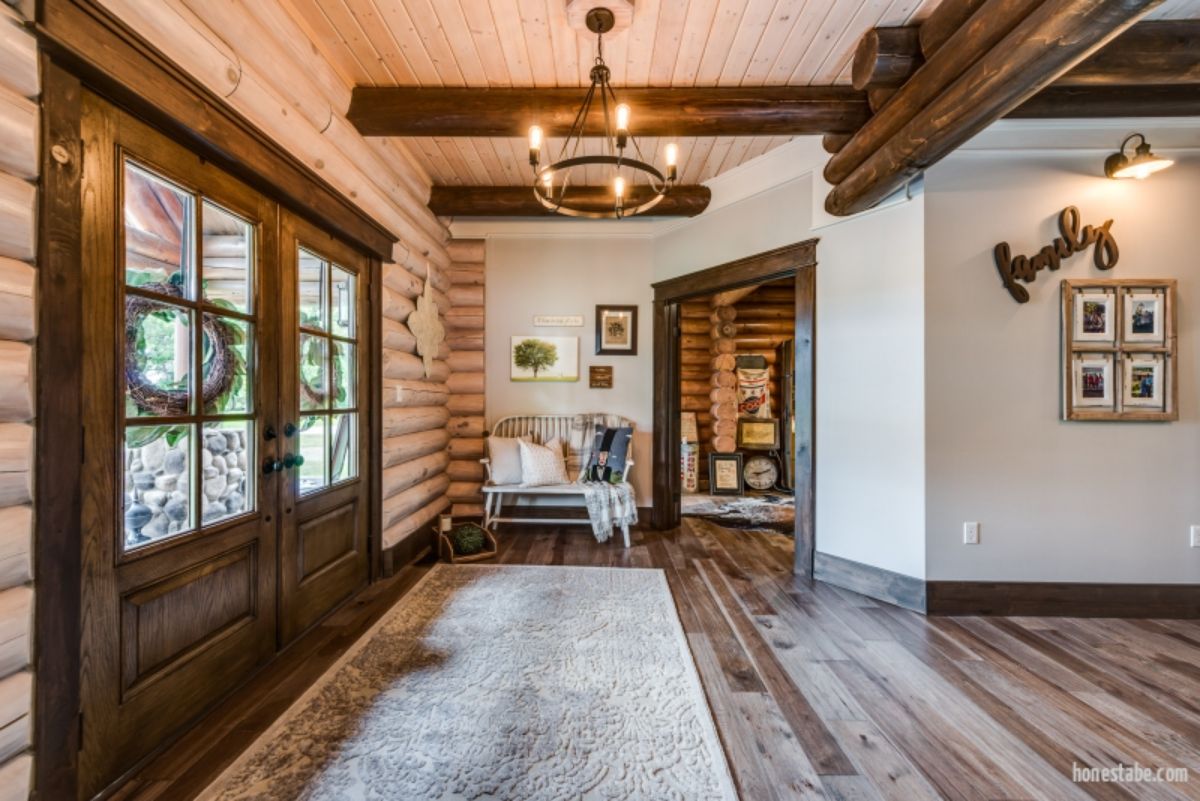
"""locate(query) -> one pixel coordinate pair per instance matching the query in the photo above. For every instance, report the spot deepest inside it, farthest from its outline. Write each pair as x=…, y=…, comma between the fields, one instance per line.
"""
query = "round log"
x=467, y=510
x=723, y=345
x=408, y=392
x=405, y=448
x=421, y=418
x=465, y=448
x=723, y=378
x=724, y=427
x=720, y=395
x=465, y=383
x=460, y=340
x=16, y=537
x=759, y=327
x=775, y=294
x=396, y=306
x=886, y=57
x=720, y=330
x=465, y=491
x=464, y=318
x=18, y=135
x=401, y=281
x=694, y=342
x=465, y=276
x=724, y=411
x=697, y=388
x=694, y=309
x=406, y=527
x=16, y=381
x=413, y=499
x=751, y=344
x=695, y=357
x=466, y=470
x=18, y=59
x=943, y=22
x=466, y=361
x=468, y=426
x=834, y=142
x=396, y=479
x=16, y=457
x=396, y=336
x=724, y=444
x=693, y=373
x=693, y=403
x=726, y=361
x=723, y=314
x=465, y=404
x=397, y=364
x=465, y=295
x=18, y=229
x=17, y=317
x=765, y=311
x=703, y=418
x=694, y=326
x=467, y=250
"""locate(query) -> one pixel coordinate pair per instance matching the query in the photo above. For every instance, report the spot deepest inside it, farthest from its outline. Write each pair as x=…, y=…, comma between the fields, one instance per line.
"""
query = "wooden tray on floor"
x=446, y=549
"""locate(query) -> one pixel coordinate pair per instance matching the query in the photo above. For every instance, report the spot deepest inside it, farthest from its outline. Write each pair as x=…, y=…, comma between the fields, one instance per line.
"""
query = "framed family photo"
x=1144, y=313
x=1095, y=316
x=616, y=330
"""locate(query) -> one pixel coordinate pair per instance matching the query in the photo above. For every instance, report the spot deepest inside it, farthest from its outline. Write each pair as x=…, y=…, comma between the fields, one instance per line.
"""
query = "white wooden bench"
x=541, y=428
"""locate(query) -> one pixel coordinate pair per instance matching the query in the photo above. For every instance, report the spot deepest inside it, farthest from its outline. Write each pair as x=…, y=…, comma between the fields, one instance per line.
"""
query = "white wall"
x=555, y=275
x=1058, y=501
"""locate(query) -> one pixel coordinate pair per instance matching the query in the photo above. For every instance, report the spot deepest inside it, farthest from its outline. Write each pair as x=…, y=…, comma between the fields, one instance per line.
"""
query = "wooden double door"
x=226, y=500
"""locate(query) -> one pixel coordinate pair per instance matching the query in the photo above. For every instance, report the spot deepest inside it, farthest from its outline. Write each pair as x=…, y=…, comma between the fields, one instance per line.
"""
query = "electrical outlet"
x=970, y=533
x=1196, y=536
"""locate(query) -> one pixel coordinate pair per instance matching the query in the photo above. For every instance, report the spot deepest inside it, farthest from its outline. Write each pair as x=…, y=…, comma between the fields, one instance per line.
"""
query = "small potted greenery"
x=466, y=542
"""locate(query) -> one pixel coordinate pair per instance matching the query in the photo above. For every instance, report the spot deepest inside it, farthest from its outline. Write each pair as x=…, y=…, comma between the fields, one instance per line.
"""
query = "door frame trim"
x=84, y=46
x=797, y=261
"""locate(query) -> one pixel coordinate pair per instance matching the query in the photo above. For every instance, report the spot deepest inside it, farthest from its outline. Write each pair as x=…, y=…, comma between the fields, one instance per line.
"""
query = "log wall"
x=19, y=89
x=464, y=334
x=766, y=318
x=695, y=372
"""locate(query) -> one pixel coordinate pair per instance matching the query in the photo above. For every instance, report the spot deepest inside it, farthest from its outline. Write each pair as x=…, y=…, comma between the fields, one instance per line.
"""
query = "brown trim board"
x=1063, y=599
x=874, y=582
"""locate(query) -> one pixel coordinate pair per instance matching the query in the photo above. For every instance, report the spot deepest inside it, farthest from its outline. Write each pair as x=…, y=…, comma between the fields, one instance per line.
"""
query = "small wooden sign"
x=1071, y=240
x=558, y=320
x=600, y=377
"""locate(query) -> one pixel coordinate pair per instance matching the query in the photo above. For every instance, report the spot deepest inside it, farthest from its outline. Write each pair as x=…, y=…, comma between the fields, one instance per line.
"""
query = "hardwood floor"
x=821, y=693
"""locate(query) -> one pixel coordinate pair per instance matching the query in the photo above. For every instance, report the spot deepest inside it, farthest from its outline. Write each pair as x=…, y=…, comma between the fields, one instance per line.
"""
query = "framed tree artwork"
x=1119, y=350
x=616, y=330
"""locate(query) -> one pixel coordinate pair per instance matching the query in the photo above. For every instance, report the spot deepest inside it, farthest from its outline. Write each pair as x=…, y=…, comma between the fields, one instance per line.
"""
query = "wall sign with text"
x=1071, y=240
x=558, y=320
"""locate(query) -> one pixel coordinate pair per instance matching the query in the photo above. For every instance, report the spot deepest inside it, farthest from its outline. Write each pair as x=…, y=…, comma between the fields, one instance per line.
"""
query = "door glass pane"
x=157, y=496
x=314, y=377
x=313, y=303
x=314, y=472
x=227, y=367
x=225, y=456
x=345, y=368
x=158, y=358
x=344, y=306
x=227, y=255
x=344, y=447
x=158, y=234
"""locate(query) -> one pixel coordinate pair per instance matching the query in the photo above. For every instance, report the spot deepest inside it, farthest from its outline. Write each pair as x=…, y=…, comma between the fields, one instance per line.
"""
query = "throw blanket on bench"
x=608, y=505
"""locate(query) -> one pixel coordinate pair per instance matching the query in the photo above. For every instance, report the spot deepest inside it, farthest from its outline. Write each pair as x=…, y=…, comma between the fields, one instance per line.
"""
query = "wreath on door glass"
x=223, y=365
x=319, y=396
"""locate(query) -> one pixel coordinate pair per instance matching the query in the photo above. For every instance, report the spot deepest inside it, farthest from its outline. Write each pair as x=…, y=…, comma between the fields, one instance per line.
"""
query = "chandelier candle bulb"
x=622, y=125
x=535, y=144
x=672, y=155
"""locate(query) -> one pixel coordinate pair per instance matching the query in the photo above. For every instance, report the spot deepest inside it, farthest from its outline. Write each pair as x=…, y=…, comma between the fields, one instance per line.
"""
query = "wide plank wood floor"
x=820, y=693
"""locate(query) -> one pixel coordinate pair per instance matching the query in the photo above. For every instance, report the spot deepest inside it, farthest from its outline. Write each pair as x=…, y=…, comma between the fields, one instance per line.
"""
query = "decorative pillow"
x=609, y=453
x=506, y=459
x=542, y=464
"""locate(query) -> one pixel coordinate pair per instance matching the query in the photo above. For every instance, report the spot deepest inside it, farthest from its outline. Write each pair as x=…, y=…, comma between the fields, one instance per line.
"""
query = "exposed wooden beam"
x=946, y=18
x=1111, y=101
x=1155, y=53
x=683, y=111
x=834, y=142
x=1046, y=42
x=518, y=201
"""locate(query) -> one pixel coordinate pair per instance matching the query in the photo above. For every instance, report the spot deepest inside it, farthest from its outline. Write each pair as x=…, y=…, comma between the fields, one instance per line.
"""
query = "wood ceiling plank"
x=616, y=55
x=432, y=158
x=507, y=18
x=738, y=148
x=784, y=18
x=487, y=157
x=453, y=40
x=870, y=15
x=364, y=25
x=697, y=159
x=716, y=157
x=330, y=41
x=400, y=39
x=482, y=25
x=565, y=45
x=479, y=171
x=807, y=26
x=539, y=44
x=640, y=36
x=753, y=24
x=696, y=29
x=720, y=38
x=835, y=23
x=667, y=37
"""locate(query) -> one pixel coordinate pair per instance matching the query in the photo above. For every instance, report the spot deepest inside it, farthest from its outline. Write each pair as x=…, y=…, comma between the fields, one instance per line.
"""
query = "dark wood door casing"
x=796, y=261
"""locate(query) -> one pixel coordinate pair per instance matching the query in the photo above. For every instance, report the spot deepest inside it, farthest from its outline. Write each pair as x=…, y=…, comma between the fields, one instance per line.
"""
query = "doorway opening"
x=734, y=378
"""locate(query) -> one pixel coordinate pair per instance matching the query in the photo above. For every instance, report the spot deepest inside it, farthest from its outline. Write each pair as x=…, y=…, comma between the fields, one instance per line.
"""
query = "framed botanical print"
x=725, y=474
x=616, y=330
x=1119, y=350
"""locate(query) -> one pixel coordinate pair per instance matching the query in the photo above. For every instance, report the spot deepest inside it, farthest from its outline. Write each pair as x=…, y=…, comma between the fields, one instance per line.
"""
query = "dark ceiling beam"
x=1155, y=53
x=1066, y=102
x=518, y=201
x=1045, y=42
x=682, y=111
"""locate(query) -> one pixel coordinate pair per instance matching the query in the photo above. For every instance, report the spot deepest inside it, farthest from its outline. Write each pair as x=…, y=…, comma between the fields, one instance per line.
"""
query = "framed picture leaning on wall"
x=616, y=330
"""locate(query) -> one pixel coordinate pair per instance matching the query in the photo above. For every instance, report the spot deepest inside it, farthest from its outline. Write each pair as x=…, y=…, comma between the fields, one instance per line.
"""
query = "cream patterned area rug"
x=501, y=682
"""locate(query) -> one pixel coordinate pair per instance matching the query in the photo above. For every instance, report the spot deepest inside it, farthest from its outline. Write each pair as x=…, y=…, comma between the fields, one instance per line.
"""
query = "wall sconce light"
x=1140, y=165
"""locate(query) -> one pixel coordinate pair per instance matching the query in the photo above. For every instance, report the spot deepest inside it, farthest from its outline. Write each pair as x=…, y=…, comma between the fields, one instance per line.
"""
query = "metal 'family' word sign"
x=1071, y=241
x=558, y=320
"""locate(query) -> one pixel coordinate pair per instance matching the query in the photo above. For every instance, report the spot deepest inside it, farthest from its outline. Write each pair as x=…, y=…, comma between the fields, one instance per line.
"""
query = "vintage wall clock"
x=761, y=472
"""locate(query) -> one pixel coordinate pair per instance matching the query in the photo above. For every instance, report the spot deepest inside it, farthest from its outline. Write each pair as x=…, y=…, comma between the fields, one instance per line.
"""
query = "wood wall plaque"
x=600, y=377
x=1071, y=240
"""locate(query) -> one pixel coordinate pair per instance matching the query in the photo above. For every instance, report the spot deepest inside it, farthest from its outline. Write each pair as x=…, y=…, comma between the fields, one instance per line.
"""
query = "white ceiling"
x=529, y=43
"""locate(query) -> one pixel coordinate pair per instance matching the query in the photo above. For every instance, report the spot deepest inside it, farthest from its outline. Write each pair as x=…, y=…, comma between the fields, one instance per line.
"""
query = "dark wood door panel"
x=326, y=538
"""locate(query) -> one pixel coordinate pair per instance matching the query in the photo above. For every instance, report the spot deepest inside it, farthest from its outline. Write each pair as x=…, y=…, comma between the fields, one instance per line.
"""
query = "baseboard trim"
x=1063, y=599
x=897, y=589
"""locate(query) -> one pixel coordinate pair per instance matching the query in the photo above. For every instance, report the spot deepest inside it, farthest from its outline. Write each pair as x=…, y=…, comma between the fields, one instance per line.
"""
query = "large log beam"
x=518, y=201
x=1070, y=102
x=1052, y=39
x=680, y=111
x=886, y=57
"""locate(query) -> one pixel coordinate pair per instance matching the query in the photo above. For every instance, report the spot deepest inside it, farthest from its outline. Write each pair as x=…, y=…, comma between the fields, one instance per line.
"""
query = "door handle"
x=289, y=429
x=271, y=466
x=293, y=460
